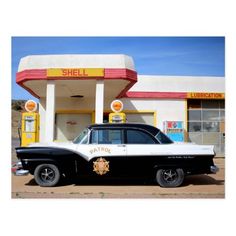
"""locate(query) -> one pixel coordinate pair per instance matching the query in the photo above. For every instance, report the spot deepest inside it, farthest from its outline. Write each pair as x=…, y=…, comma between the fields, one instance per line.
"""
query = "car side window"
x=107, y=136
x=139, y=137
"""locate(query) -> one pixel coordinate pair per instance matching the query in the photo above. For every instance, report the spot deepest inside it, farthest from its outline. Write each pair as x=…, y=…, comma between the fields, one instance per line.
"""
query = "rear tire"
x=47, y=175
x=170, y=178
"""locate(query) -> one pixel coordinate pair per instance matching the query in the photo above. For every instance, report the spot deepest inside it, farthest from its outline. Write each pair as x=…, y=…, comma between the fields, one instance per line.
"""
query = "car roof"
x=151, y=129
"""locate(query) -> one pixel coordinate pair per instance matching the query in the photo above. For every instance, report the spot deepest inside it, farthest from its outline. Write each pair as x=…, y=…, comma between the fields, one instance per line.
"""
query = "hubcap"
x=47, y=174
x=169, y=175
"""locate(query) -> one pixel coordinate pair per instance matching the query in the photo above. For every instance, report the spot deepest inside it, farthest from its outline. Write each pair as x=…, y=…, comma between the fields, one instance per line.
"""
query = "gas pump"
x=29, y=124
x=117, y=116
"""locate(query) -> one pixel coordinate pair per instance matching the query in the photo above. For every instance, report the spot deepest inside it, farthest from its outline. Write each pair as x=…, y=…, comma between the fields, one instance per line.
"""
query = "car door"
x=141, y=148
x=107, y=152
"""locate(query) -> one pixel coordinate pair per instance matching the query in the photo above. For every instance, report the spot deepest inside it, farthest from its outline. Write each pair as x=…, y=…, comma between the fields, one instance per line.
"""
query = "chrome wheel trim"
x=169, y=175
x=47, y=174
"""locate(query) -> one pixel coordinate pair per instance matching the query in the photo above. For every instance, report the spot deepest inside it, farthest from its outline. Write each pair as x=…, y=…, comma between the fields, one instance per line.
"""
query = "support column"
x=42, y=120
x=99, y=102
x=50, y=112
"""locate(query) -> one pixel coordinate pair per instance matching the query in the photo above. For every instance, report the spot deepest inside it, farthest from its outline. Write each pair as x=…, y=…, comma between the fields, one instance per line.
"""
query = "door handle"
x=121, y=145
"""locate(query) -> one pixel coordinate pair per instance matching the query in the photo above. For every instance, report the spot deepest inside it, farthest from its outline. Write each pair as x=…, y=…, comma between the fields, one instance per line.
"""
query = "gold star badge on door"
x=101, y=166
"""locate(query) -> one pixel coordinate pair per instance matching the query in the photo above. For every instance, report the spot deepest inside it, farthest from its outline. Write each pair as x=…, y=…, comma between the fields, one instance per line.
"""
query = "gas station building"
x=77, y=90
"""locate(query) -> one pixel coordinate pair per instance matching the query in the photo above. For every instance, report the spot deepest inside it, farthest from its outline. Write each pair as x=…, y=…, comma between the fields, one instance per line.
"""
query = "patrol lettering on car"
x=100, y=149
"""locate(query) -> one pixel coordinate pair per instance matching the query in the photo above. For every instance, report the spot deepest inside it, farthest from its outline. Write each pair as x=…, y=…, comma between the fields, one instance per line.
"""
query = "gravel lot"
x=198, y=186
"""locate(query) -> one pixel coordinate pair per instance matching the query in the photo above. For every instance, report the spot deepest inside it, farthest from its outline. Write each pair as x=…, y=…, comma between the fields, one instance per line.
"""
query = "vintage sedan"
x=116, y=150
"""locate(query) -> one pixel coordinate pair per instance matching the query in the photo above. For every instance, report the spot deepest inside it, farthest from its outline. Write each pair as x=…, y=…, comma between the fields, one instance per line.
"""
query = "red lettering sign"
x=74, y=73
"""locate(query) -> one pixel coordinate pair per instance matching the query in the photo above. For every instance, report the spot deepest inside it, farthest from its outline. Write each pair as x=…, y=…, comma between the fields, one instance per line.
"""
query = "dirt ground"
x=198, y=186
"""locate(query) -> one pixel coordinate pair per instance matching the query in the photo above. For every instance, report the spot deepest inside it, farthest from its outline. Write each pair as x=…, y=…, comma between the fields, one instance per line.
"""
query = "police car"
x=122, y=150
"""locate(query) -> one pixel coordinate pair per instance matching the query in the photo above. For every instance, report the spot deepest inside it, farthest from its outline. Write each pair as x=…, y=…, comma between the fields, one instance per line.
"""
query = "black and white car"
x=116, y=150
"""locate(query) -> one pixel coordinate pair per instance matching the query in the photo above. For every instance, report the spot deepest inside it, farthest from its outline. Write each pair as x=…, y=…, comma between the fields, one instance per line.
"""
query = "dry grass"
x=15, y=119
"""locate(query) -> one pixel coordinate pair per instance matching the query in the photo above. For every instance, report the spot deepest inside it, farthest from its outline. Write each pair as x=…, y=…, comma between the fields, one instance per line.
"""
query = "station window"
x=195, y=127
x=211, y=127
x=210, y=104
x=195, y=115
x=206, y=122
x=205, y=115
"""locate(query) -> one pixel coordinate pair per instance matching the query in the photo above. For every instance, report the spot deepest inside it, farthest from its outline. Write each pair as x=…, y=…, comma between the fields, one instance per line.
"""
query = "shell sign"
x=31, y=106
x=75, y=72
x=117, y=106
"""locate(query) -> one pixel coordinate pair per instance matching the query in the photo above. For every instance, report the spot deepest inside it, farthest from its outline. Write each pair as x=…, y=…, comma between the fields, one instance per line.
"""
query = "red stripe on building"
x=156, y=95
x=108, y=74
x=26, y=75
x=38, y=74
x=120, y=73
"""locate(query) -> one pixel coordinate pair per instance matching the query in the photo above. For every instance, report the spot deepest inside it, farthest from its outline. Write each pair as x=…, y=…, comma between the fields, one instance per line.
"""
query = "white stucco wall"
x=166, y=109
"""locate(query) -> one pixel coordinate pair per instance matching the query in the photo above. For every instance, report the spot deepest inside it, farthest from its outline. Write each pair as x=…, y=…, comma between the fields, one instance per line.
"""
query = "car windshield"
x=162, y=138
x=82, y=138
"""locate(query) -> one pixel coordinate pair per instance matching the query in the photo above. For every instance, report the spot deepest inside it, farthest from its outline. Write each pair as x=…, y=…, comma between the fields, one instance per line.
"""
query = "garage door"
x=68, y=126
x=144, y=118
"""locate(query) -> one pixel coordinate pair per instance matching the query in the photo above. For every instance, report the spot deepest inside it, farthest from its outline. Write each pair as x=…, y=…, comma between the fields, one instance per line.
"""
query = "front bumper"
x=18, y=170
x=21, y=172
x=214, y=169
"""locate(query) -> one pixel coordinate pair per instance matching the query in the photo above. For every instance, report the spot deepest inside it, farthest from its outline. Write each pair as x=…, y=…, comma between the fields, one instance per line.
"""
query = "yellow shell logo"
x=30, y=106
x=116, y=106
x=101, y=166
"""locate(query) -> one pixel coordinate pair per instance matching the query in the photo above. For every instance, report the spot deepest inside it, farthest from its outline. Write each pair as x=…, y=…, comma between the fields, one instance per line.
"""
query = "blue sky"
x=193, y=56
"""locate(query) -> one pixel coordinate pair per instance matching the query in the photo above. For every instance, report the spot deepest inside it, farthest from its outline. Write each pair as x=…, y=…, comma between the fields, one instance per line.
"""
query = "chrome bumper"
x=214, y=169
x=21, y=172
x=18, y=170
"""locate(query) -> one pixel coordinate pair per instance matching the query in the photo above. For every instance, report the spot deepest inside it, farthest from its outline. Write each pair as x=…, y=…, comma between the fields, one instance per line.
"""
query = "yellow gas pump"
x=117, y=116
x=29, y=124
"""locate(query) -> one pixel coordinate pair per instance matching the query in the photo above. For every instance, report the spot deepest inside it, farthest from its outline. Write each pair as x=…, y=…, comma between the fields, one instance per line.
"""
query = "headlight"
x=19, y=164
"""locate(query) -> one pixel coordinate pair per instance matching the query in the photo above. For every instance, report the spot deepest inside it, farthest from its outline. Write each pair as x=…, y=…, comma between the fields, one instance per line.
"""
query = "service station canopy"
x=77, y=75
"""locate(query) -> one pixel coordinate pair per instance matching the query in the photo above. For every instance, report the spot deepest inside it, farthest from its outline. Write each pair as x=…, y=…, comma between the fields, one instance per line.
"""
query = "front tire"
x=170, y=178
x=47, y=175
